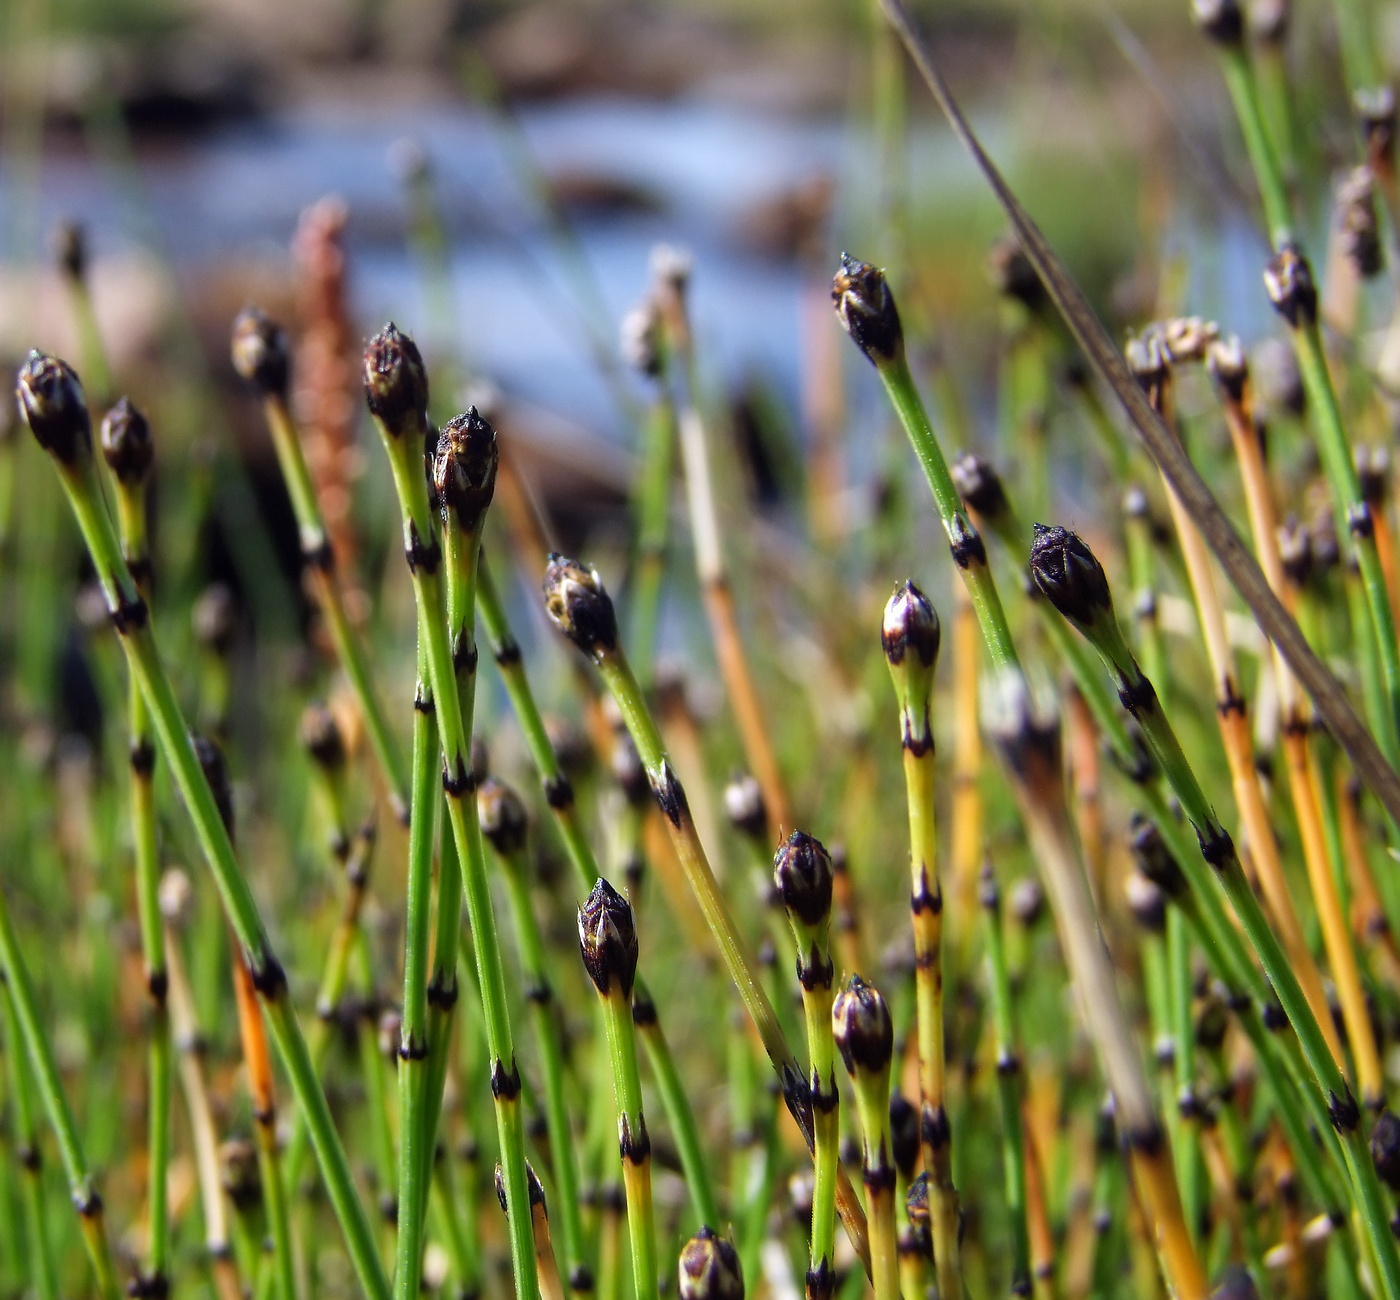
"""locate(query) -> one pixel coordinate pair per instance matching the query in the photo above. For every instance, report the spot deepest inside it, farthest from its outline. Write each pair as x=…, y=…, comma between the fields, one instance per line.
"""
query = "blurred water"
x=239, y=191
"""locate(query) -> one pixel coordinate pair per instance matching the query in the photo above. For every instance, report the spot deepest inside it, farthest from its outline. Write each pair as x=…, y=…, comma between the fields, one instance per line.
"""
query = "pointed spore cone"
x=260, y=353
x=579, y=605
x=607, y=936
x=396, y=381
x=1221, y=20
x=1070, y=576
x=803, y=874
x=321, y=738
x=464, y=467
x=1288, y=279
x=744, y=806
x=52, y=404
x=127, y=445
x=979, y=485
x=910, y=624
x=502, y=816
x=864, y=1032
x=709, y=1269
x=867, y=310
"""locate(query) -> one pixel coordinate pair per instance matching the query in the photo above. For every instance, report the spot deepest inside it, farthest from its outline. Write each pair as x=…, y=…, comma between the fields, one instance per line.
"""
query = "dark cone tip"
x=502, y=816
x=979, y=485
x=396, y=381
x=1069, y=575
x=52, y=404
x=1236, y=1283
x=1212, y=1021
x=910, y=623
x=127, y=445
x=321, y=738
x=70, y=249
x=1288, y=280
x=1146, y=902
x=1228, y=366
x=861, y=1023
x=1221, y=20
x=803, y=874
x=866, y=308
x=607, y=936
x=579, y=605
x=259, y=351
x=464, y=467
x=744, y=806
x=1385, y=1149
x=1027, y=901
x=1013, y=274
x=709, y=1269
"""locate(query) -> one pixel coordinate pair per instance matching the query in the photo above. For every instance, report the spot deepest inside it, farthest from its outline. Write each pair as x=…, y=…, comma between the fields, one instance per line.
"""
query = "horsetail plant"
x=607, y=934
x=579, y=605
x=261, y=356
x=802, y=876
x=709, y=1268
x=1070, y=576
x=396, y=389
x=910, y=635
x=52, y=404
x=503, y=823
x=864, y=1035
x=129, y=450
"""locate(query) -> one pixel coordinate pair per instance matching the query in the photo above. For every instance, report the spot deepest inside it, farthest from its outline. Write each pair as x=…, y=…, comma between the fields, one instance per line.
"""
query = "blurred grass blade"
x=1234, y=556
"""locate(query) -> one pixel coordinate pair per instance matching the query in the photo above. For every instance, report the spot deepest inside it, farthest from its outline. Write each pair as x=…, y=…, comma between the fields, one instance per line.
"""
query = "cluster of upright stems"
x=1224, y=944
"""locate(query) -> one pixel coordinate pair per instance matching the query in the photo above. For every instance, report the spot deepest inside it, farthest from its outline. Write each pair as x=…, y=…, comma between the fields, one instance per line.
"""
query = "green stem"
x=636, y=1145
x=315, y=546
x=677, y=1107
x=138, y=642
x=81, y=1184
x=969, y=552
x=1008, y=1067
x=404, y=447
x=26, y=1140
x=653, y=507
x=539, y=992
x=1244, y=91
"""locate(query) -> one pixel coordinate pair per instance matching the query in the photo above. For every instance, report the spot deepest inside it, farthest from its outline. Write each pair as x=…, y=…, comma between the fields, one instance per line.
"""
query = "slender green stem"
x=1008, y=1067
x=81, y=1184
x=404, y=443
x=676, y=1104
x=558, y=791
x=414, y=1158
x=26, y=1141
x=539, y=992
x=1244, y=91
x=131, y=618
x=1218, y=851
x=969, y=552
x=653, y=507
x=317, y=555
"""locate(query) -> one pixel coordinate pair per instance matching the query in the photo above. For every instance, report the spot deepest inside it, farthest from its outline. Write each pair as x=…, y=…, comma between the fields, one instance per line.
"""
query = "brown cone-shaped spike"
x=744, y=806
x=52, y=404
x=709, y=1269
x=861, y=1023
x=260, y=353
x=127, y=444
x=866, y=308
x=1288, y=280
x=910, y=623
x=321, y=738
x=464, y=467
x=607, y=936
x=502, y=816
x=803, y=874
x=1069, y=575
x=579, y=605
x=396, y=381
x=979, y=485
